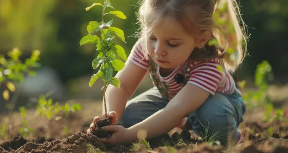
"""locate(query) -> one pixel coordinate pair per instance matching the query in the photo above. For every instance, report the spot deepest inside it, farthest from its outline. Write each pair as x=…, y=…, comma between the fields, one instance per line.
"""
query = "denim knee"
x=215, y=120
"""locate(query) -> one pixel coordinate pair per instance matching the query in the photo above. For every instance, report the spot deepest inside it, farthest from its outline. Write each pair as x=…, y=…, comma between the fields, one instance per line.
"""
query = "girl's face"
x=170, y=44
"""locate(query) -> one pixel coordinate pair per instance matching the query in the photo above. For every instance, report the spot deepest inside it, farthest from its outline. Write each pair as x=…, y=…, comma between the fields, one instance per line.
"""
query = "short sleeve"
x=137, y=57
x=206, y=76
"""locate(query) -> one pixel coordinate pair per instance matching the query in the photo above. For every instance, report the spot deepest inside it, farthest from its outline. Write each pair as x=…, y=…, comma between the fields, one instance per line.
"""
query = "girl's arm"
x=130, y=77
x=186, y=101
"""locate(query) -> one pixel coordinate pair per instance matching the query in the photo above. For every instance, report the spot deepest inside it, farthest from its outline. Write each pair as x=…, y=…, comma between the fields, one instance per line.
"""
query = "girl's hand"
x=120, y=135
x=112, y=116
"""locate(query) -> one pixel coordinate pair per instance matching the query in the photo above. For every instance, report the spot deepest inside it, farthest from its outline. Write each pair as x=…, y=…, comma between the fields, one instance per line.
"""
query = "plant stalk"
x=10, y=118
x=105, y=107
x=103, y=12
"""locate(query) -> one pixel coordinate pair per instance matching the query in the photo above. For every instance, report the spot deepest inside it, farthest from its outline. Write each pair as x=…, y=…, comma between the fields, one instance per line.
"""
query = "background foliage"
x=55, y=28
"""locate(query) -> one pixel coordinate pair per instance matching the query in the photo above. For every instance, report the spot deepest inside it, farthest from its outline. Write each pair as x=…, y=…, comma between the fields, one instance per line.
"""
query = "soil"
x=49, y=136
x=102, y=133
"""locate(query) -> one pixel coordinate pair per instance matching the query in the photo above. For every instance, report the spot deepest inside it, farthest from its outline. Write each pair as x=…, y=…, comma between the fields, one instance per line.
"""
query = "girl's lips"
x=160, y=61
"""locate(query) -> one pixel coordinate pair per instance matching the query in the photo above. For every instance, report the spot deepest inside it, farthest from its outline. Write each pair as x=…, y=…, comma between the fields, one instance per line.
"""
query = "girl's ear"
x=204, y=38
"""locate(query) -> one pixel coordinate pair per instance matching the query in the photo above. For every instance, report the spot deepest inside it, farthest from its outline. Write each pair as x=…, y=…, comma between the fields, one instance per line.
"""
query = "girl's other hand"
x=112, y=116
x=121, y=135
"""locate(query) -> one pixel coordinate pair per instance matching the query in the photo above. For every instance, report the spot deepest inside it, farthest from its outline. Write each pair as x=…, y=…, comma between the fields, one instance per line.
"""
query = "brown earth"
x=50, y=136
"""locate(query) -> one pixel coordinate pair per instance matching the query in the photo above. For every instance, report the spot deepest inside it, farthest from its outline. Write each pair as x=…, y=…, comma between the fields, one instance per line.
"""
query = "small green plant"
x=12, y=73
x=13, y=70
x=48, y=109
x=109, y=55
x=269, y=132
x=4, y=131
x=279, y=114
x=269, y=109
x=146, y=144
x=66, y=131
x=263, y=75
x=206, y=137
x=24, y=129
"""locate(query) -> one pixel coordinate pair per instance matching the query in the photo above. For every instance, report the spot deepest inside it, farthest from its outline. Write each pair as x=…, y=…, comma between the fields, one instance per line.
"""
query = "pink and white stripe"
x=205, y=75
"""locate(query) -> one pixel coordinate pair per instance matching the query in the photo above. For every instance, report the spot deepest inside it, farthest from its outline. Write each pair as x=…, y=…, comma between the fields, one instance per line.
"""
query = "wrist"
x=131, y=134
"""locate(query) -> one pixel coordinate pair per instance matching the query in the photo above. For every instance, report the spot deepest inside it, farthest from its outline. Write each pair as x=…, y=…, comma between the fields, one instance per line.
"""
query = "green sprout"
x=109, y=55
x=48, y=109
x=24, y=129
x=12, y=73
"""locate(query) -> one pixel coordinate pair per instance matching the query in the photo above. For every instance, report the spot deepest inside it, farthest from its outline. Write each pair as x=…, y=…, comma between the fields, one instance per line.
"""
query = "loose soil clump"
x=99, y=132
x=186, y=141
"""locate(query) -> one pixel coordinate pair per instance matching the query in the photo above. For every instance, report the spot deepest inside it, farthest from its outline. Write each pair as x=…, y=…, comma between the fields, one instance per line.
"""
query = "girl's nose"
x=159, y=49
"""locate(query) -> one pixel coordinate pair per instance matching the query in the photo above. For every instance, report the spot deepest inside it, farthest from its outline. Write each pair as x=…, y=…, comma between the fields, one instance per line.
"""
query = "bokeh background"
x=56, y=26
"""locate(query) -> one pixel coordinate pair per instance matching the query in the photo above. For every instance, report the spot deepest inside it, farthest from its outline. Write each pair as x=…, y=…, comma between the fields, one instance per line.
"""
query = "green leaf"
x=92, y=27
x=96, y=62
x=115, y=82
x=10, y=86
x=119, y=14
x=118, y=32
x=6, y=94
x=117, y=64
x=22, y=111
x=35, y=55
x=104, y=34
x=121, y=52
x=89, y=39
x=108, y=73
x=94, y=78
x=76, y=107
x=100, y=55
x=110, y=55
x=94, y=4
x=14, y=54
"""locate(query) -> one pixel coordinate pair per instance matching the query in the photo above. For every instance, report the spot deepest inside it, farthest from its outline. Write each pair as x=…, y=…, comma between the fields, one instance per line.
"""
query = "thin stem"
x=15, y=97
x=105, y=84
x=103, y=11
x=10, y=118
x=105, y=107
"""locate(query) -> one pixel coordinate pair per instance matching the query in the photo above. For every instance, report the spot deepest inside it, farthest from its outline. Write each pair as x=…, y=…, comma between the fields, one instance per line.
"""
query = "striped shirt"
x=209, y=75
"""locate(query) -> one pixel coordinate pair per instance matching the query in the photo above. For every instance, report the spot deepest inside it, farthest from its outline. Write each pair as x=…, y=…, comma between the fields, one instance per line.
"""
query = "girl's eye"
x=171, y=45
x=152, y=38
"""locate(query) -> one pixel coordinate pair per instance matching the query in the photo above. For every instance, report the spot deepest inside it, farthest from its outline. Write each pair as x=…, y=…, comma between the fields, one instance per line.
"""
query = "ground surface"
x=258, y=136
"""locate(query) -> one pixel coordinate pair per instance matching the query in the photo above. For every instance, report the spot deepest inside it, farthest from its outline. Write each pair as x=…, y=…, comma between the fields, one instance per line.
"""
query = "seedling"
x=263, y=75
x=109, y=55
x=49, y=110
x=24, y=130
x=12, y=73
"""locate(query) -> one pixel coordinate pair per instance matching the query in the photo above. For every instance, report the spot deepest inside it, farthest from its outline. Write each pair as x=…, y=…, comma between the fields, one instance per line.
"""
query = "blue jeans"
x=220, y=114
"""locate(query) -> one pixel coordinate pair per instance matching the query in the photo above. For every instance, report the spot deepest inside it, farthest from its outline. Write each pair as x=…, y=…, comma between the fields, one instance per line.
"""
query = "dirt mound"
x=76, y=143
x=184, y=142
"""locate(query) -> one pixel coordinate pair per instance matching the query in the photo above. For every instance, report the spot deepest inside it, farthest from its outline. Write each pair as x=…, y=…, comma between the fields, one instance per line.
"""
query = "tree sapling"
x=109, y=55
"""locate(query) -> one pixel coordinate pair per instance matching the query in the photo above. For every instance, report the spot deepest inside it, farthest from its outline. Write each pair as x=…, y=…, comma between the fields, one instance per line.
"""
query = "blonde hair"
x=197, y=16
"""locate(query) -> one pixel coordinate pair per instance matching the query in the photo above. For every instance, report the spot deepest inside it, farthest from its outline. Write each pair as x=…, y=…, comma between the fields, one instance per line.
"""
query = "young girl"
x=191, y=76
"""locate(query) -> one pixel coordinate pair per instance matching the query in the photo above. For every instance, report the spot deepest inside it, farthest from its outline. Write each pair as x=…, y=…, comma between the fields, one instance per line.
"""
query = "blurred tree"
x=25, y=24
x=267, y=23
x=56, y=26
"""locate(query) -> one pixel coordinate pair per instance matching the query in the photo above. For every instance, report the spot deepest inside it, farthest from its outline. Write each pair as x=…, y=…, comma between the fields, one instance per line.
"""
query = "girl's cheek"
x=150, y=49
